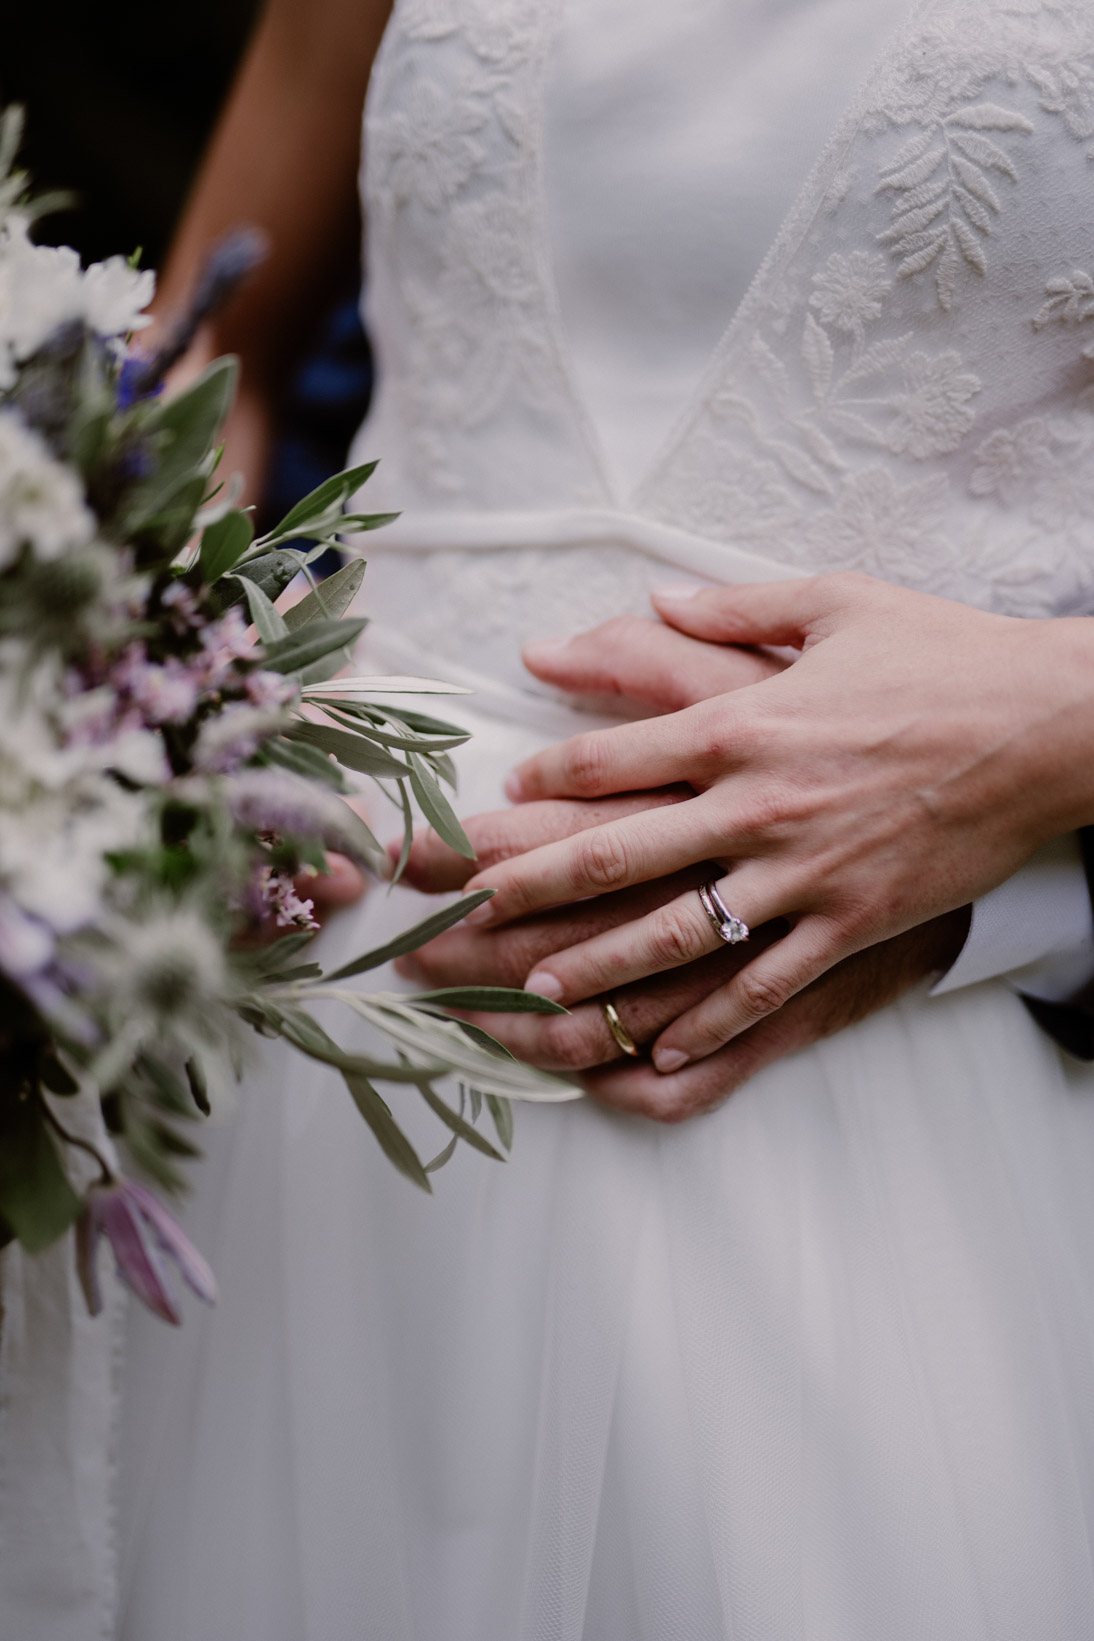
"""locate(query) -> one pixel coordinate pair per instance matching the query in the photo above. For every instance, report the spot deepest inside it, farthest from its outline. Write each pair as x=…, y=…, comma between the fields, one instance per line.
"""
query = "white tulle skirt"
x=819, y=1365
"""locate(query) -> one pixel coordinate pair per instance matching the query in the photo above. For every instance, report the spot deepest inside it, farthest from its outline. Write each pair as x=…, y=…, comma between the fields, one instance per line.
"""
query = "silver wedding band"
x=726, y=925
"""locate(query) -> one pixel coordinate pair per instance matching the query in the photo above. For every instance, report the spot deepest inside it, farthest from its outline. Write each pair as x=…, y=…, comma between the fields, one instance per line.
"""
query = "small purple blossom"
x=178, y=599
x=277, y=897
x=164, y=693
x=231, y=260
x=233, y=736
x=142, y=1234
x=274, y=800
x=224, y=642
x=133, y=382
x=269, y=689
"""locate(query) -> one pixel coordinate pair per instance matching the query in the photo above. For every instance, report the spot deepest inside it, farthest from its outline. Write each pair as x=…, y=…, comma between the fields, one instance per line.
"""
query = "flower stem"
x=108, y=1175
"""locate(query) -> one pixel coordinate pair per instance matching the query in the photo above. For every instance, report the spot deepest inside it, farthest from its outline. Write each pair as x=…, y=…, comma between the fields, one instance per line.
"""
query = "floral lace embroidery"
x=453, y=182
x=868, y=407
x=1070, y=301
x=981, y=86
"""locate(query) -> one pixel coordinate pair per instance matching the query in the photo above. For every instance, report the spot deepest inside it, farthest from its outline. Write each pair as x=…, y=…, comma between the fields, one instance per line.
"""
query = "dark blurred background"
x=121, y=97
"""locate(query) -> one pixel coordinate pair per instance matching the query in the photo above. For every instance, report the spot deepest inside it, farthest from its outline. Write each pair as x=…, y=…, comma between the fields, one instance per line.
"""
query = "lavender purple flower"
x=142, y=1234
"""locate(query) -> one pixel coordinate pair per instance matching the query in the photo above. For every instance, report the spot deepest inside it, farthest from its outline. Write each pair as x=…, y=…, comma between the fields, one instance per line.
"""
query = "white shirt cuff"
x=1037, y=929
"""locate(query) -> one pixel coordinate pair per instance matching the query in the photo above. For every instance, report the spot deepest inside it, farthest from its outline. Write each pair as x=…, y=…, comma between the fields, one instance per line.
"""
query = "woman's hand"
x=581, y=1042
x=911, y=759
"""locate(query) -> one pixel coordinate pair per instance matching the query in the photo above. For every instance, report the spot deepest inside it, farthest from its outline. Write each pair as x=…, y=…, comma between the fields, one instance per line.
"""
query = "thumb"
x=767, y=612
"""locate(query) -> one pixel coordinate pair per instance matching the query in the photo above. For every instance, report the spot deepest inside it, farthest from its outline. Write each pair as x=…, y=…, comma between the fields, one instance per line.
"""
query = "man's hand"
x=581, y=1042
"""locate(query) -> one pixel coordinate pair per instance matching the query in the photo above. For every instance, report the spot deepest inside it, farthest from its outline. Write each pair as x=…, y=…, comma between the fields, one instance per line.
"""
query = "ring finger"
x=583, y=1038
x=666, y=938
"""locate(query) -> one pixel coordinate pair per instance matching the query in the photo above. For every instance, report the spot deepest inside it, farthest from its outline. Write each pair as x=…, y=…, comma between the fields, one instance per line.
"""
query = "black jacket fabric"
x=1071, y=1024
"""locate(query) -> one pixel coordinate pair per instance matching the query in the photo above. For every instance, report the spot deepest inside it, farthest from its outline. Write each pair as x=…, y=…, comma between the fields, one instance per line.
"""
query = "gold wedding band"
x=618, y=1030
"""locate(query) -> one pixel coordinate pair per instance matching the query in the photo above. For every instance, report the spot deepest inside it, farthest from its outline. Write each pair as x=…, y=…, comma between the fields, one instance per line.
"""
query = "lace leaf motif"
x=944, y=200
x=1070, y=302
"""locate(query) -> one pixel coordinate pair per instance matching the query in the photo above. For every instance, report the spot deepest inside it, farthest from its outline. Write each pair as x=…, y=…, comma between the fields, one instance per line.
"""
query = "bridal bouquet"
x=175, y=753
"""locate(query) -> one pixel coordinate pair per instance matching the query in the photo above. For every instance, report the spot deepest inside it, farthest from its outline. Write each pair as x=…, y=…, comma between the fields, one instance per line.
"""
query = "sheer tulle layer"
x=815, y=1366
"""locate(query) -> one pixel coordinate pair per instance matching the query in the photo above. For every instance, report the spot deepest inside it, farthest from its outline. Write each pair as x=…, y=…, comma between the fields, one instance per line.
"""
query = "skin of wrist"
x=1028, y=724
x=1053, y=750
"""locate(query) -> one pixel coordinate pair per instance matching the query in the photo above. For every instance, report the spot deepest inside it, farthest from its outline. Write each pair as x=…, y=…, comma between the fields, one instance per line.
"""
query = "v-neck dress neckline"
x=659, y=209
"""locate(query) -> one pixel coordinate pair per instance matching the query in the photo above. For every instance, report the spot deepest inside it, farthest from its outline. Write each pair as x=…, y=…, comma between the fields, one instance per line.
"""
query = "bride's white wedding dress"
x=821, y=1364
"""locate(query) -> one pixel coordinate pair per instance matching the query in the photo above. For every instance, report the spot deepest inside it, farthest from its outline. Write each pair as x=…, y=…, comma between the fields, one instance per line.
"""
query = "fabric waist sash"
x=666, y=549
x=431, y=532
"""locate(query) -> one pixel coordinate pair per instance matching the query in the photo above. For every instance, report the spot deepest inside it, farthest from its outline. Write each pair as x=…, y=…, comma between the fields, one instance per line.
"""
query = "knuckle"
x=846, y=584
x=761, y=994
x=491, y=840
x=858, y=921
x=568, y=1042
x=601, y=860
x=674, y=940
x=584, y=765
x=718, y=738
x=771, y=811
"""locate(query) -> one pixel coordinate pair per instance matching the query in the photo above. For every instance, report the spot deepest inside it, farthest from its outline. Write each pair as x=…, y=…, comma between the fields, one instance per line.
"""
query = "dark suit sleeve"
x=1071, y=1024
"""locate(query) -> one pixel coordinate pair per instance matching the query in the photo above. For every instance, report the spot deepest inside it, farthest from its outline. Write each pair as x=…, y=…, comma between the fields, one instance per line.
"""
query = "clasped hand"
x=857, y=801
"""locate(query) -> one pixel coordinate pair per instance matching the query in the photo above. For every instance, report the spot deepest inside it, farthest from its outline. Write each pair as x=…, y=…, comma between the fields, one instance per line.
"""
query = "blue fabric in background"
x=325, y=404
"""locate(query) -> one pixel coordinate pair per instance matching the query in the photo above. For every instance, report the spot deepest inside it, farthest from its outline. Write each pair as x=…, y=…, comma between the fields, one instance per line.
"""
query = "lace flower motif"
x=886, y=529
x=942, y=68
x=1010, y=459
x=501, y=32
x=850, y=291
x=934, y=415
x=427, y=147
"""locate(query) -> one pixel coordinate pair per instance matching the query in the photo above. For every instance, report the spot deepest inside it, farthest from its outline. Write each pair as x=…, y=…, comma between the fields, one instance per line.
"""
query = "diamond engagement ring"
x=727, y=927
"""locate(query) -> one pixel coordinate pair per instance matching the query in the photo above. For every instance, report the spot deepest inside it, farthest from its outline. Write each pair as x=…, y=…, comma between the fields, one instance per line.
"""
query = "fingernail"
x=669, y=1059
x=544, y=985
x=482, y=915
x=513, y=788
x=678, y=593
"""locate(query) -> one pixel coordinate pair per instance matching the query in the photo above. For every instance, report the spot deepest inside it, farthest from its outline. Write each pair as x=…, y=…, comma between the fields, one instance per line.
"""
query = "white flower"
x=115, y=295
x=26, y=945
x=934, y=415
x=172, y=965
x=60, y=813
x=41, y=501
x=43, y=287
x=52, y=851
x=40, y=289
x=850, y=291
x=138, y=754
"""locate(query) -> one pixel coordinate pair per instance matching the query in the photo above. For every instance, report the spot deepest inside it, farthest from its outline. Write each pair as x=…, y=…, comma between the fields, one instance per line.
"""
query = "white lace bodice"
x=906, y=388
